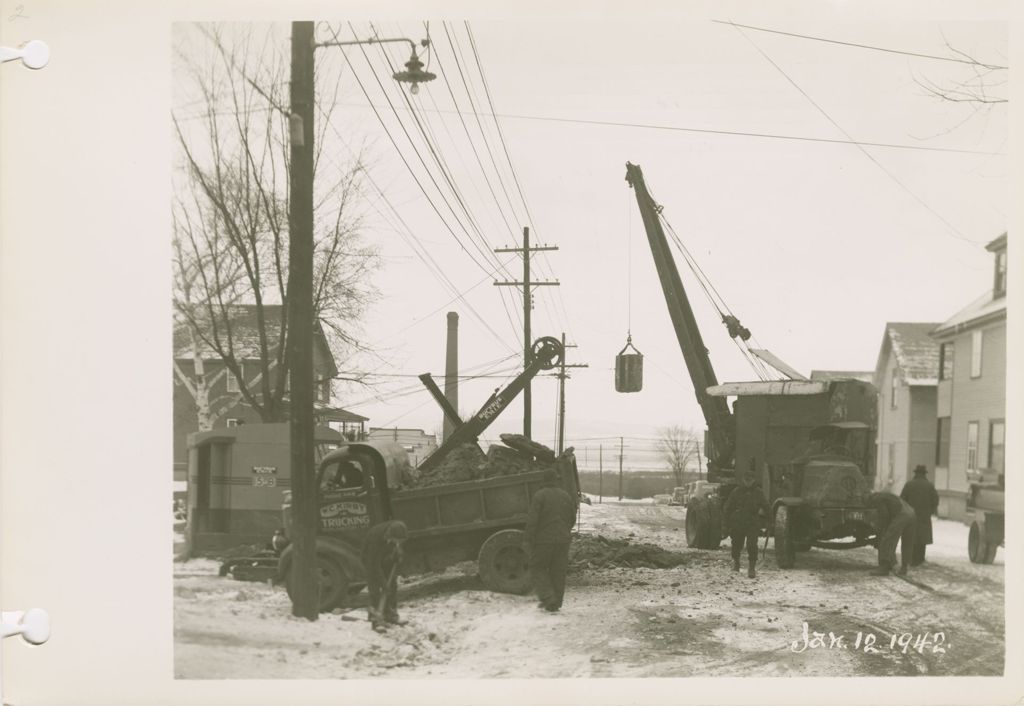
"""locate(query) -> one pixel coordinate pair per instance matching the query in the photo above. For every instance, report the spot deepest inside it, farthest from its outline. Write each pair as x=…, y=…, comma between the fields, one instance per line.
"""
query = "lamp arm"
x=367, y=41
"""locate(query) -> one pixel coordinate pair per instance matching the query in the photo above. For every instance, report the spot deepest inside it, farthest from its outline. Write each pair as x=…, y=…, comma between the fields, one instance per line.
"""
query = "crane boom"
x=721, y=428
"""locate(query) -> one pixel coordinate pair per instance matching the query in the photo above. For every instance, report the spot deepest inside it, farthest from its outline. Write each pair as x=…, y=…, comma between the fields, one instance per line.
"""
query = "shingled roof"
x=982, y=310
x=916, y=352
x=829, y=375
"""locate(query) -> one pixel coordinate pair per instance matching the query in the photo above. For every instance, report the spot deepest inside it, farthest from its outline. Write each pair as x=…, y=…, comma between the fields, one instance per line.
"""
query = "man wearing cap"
x=897, y=523
x=382, y=553
x=744, y=511
x=547, y=535
x=920, y=494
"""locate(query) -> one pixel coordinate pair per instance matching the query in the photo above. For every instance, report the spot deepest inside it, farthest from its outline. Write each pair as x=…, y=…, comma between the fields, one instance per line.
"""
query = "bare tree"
x=680, y=448
x=983, y=89
x=230, y=217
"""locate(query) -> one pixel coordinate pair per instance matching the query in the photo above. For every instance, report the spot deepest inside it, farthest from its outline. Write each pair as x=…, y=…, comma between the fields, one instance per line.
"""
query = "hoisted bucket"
x=629, y=369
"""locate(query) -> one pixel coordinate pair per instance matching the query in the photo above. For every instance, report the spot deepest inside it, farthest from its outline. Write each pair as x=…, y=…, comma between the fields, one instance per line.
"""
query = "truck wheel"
x=696, y=523
x=785, y=553
x=332, y=582
x=703, y=524
x=979, y=549
x=502, y=563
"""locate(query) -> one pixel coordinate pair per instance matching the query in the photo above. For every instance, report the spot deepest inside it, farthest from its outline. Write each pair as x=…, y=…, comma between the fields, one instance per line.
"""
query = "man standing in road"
x=382, y=553
x=897, y=526
x=549, y=523
x=920, y=494
x=745, y=511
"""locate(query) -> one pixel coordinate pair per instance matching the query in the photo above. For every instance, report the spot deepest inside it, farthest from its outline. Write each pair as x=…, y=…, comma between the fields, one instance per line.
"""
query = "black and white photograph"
x=544, y=356
x=621, y=350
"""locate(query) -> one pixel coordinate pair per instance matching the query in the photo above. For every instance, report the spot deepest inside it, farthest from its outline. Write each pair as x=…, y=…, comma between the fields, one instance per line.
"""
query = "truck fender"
x=785, y=500
x=341, y=551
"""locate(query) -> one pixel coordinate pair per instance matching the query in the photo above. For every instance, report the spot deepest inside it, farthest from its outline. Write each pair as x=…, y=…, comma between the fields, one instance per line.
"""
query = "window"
x=942, y=443
x=999, y=288
x=946, y=361
x=892, y=462
x=972, y=446
x=325, y=391
x=997, y=446
x=894, y=386
x=235, y=422
x=976, y=340
x=232, y=381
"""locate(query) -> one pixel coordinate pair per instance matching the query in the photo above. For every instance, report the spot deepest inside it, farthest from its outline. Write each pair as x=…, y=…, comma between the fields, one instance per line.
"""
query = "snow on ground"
x=696, y=619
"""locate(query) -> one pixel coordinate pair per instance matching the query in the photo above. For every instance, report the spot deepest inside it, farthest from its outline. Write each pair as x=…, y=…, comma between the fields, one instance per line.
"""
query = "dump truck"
x=361, y=484
x=986, y=509
x=809, y=444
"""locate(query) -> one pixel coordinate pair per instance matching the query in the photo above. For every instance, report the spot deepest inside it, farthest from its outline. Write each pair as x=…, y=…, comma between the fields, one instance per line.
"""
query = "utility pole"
x=620, y=468
x=561, y=394
x=527, y=286
x=600, y=473
x=305, y=594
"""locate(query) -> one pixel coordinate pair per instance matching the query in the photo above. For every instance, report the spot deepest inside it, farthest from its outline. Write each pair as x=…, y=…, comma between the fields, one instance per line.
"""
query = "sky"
x=814, y=245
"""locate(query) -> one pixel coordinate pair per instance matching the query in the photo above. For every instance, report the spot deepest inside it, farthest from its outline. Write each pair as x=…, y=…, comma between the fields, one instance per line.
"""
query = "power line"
x=419, y=156
x=443, y=166
x=864, y=46
x=409, y=237
x=955, y=231
x=515, y=178
x=676, y=128
x=800, y=138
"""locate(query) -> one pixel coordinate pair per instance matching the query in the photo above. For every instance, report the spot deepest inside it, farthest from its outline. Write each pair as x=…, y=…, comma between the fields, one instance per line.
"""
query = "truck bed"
x=474, y=504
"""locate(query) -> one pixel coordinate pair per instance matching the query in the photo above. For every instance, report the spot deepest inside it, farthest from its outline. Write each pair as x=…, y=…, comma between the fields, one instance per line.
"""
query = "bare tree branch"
x=231, y=225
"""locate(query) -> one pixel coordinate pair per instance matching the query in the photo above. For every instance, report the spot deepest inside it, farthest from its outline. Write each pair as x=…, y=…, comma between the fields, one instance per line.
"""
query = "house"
x=906, y=376
x=971, y=405
x=227, y=408
x=416, y=442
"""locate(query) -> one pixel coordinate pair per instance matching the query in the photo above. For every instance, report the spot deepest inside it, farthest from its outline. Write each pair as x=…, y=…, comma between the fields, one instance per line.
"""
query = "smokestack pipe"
x=451, y=372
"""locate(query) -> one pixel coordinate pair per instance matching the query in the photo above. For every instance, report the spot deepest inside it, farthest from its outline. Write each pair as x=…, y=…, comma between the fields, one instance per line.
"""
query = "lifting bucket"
x=629, y=369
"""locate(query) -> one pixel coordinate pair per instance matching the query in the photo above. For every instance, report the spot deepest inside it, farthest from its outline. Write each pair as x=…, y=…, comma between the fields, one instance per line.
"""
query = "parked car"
x=696, y=489
x=678, y=496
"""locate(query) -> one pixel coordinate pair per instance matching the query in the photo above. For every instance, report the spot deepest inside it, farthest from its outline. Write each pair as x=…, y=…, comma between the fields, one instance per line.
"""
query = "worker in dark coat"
x=920, y=494
x=382, y=553
x=549, y=524
x=745, y=512
x=897, y=523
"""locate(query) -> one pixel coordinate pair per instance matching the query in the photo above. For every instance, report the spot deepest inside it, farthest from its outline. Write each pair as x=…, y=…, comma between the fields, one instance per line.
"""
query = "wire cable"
x=863, y=46
x=954, y=231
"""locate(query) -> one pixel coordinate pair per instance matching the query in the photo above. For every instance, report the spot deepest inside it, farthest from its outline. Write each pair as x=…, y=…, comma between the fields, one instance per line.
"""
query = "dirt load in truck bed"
x=469, y=462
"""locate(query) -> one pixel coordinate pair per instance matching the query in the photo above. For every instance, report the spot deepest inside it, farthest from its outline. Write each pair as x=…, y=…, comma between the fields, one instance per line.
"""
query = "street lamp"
x=414, y=73
x=306, y=568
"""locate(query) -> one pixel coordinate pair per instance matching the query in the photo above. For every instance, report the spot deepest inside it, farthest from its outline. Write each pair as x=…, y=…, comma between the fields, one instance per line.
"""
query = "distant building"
x=224, y=394
x=971, y=405
x=906, y=376
x=416, y=442
x=829, y=375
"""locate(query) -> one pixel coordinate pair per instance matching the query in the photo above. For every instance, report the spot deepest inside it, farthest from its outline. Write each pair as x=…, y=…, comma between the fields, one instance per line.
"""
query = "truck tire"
x=979, y=549
x=332, y=582
x=502, y=563
x=703, y=524
x=785, y=553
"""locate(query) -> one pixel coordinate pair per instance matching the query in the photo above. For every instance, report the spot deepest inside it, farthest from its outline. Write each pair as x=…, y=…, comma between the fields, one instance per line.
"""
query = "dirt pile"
x=594, y=552
x=468, y=462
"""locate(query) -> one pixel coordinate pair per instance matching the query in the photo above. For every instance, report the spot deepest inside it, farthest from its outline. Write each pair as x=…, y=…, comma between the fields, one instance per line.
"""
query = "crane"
x=809, y=443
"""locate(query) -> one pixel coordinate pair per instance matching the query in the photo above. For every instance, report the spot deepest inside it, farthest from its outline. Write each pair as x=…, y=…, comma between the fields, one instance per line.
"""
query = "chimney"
x=451, y=372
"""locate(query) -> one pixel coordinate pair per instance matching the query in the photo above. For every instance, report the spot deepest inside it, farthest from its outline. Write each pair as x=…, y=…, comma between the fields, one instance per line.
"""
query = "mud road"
x=826, y=617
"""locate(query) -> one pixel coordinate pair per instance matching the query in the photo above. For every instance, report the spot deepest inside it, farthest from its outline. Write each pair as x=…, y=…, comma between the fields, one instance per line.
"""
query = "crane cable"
x=715, y=298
